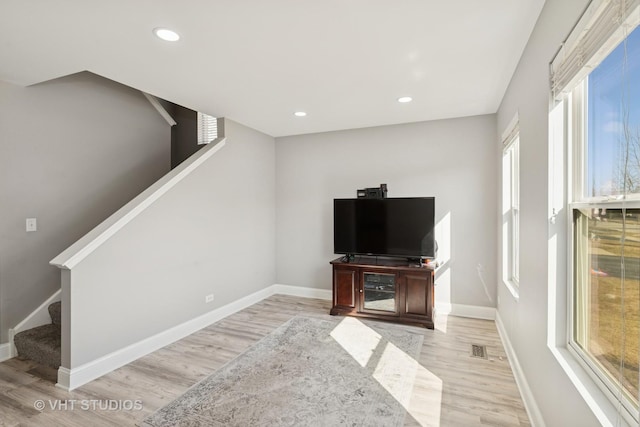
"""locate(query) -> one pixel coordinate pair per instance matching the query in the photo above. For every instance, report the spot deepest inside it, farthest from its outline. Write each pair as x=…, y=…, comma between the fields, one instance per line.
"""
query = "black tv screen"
x=398, y=227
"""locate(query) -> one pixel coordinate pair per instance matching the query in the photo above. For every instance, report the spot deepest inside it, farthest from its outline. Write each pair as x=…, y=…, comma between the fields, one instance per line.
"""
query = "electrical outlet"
x=32, y=224
x=208, y=298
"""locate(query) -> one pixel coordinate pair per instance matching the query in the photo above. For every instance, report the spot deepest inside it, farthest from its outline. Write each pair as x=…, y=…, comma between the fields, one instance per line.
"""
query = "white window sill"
x=513, y=288
x=604, y=410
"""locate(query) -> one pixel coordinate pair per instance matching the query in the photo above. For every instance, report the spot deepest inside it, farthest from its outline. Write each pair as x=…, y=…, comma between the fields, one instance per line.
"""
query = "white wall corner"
x=462, y=310
x=535, y=416
x=6, y=352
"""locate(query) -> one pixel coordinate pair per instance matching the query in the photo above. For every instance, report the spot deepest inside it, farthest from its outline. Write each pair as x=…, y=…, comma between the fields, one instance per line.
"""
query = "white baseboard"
x=64, y=378
x=297, y=291
x=70, y=379
x=13, y=351
x=462, y=310
x=5, y=352
x=535, y=416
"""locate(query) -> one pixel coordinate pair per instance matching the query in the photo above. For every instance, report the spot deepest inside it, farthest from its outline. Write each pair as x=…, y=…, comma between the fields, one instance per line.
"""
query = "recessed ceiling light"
x=405, y=99
x=166, y=34
x=299, y=114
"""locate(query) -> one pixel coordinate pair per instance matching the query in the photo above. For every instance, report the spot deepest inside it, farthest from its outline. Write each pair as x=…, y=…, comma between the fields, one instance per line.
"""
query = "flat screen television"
x=394, y=227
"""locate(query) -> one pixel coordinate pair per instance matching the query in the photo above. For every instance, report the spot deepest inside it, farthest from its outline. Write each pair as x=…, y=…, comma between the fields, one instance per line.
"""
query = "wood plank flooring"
x=451, y=387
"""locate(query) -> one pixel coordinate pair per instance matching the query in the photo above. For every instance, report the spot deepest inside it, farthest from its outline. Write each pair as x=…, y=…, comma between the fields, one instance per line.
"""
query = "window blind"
x=511, y=132
x=207, y=128
x=604, y=24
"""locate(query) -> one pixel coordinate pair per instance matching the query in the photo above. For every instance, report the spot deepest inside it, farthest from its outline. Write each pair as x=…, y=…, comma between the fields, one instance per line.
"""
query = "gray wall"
x=526, y=319
x=453, y=160
x=212, y=233
x=184, y=135
x=72, y=151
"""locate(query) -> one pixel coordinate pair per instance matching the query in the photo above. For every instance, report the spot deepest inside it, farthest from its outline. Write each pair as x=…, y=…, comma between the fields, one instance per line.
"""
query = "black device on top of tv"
x=395, y=227
x=373, y=193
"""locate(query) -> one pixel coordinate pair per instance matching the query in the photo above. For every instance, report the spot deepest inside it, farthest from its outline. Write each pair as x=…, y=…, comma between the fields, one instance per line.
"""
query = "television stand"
x=383, y=288
x=348, y=258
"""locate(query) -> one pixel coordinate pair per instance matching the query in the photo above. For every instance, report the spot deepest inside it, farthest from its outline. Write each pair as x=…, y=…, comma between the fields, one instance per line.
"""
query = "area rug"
x=308, y=372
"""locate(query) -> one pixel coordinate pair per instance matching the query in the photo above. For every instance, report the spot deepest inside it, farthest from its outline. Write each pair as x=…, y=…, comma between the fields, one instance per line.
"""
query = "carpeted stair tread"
x=55, y=310
x=41, y=344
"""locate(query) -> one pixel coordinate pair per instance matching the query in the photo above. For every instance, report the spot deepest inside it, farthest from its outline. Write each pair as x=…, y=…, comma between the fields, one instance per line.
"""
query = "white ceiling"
x=344, y=62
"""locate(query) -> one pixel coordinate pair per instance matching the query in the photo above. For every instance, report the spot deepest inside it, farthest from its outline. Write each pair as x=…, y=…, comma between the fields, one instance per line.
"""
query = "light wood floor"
x=451, y=388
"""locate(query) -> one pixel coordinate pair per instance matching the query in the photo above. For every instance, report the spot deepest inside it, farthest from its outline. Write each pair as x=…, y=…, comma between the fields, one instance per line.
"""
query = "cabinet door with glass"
x=378, y=293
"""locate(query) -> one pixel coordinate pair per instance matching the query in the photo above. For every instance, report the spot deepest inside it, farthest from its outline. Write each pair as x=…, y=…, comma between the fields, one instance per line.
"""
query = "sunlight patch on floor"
x=440, y=322
x=399, y=373
x=359, y=340
x=396, y=371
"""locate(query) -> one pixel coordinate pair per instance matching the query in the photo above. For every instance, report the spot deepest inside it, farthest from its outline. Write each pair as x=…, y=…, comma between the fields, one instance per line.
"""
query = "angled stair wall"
x=94, y=146
x=207, y=227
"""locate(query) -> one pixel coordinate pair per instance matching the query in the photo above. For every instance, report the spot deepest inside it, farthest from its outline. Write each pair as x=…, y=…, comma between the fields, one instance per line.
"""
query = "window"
x=603, y=113
x=207, y=128
x=511, y=210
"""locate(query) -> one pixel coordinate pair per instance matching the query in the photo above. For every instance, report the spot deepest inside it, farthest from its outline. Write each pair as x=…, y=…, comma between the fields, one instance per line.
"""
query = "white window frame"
x=511, y=205
x=515, y=212
x=576, y=114
x=600, y=29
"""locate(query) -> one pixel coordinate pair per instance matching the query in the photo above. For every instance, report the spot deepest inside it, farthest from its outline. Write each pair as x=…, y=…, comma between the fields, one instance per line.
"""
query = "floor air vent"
x=479, y=351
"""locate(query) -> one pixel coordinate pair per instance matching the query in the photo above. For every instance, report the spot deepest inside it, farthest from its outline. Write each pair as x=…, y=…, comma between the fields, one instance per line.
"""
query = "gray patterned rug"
x=308, y=372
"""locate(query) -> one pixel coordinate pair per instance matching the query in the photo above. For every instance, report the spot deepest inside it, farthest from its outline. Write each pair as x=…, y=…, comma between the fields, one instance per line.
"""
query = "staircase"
x=42, y=344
